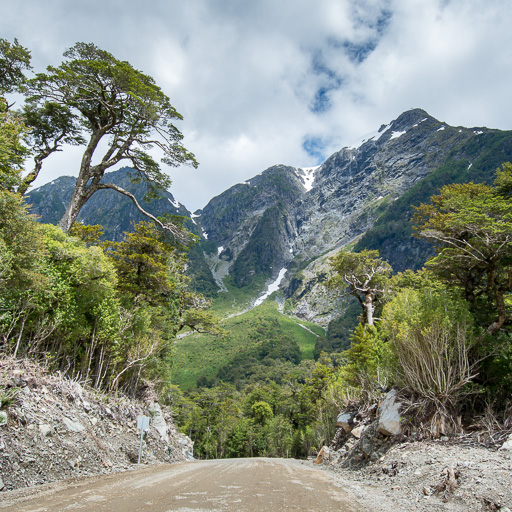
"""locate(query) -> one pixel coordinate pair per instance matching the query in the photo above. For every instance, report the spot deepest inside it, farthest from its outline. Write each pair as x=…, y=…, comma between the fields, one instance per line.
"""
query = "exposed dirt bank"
x=53, y=428
x=433, y=476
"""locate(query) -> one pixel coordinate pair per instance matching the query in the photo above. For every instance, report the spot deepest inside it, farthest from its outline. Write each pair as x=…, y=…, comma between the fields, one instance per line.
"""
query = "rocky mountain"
x=113, y=211
x=289, y=218
x=281, y=225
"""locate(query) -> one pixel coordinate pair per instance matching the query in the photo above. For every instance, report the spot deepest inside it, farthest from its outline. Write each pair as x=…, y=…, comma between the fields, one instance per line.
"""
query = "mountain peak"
x=410, y=118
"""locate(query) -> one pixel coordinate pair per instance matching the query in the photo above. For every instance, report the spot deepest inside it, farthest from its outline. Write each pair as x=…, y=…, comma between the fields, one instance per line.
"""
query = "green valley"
x=261, y=344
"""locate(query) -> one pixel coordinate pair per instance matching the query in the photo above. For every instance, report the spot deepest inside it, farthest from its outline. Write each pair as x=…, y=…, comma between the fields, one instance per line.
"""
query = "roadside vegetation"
x=105, y=313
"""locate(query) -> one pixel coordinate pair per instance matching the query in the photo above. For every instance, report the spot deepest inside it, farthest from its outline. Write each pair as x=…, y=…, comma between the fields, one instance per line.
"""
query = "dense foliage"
x=293, y=419
x=104, y=313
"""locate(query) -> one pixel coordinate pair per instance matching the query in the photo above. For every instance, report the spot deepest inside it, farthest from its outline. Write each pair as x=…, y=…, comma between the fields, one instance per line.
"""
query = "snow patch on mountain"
x=175, y=203
x=373, y=135
x=395, y=135
x=272, y=287
x=307, y=176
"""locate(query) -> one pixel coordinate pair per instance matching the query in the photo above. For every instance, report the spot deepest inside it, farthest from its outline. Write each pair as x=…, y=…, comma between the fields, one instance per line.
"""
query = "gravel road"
x=241, y=485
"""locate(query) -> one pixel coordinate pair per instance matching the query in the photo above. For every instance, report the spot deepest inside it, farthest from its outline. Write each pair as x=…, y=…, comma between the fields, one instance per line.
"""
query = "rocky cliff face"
x=291, y=218
x=254, y=224
x=354, y=186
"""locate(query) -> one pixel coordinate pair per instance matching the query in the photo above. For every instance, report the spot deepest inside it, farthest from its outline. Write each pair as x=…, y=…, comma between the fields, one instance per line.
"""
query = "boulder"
x=345, y=421
x=187, y=446
x=324, y=456
x=158, y=421
x=389, y=419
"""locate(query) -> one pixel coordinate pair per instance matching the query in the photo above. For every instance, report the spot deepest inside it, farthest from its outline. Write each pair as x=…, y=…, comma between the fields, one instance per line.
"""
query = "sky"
x=266, y=82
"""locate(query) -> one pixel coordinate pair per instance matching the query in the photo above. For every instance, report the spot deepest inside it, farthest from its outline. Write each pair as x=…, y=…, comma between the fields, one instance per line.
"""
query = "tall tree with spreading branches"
x=121, y=112
x=364, y=275
x=471, y=225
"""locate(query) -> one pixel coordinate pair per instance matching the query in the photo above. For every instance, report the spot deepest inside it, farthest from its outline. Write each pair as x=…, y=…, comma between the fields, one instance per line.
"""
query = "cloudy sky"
x=264, y=82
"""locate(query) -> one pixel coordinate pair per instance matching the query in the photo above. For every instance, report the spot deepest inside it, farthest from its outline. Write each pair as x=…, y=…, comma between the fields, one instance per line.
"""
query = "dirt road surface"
x=242, y=485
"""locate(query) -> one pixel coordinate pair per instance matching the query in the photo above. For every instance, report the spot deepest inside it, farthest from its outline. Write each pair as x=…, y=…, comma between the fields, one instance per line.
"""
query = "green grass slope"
x=261, y=344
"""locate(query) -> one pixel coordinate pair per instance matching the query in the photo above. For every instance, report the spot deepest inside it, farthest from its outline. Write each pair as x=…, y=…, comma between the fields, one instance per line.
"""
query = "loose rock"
x=389, y=420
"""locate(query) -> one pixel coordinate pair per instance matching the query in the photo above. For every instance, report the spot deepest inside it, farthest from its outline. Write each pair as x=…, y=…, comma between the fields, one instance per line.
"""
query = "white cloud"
x=253, y=80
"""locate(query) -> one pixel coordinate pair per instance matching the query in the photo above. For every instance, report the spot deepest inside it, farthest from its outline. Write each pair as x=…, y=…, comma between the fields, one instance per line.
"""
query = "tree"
x=471, y=225
x=14, y=60
x=49, y=127
x=365, y=275
x=151, y=270
x=116, y=106
x=12, y=150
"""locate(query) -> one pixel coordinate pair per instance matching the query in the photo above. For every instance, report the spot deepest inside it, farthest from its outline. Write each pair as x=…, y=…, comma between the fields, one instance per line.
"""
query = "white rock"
x=389, y=420
x=3, y=418
x=73, y=426
x=158, y=421
x=507, y=445
x=45, y=429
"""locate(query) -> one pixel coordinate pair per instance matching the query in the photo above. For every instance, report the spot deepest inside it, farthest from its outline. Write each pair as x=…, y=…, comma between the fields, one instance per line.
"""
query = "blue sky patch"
x=315, y=146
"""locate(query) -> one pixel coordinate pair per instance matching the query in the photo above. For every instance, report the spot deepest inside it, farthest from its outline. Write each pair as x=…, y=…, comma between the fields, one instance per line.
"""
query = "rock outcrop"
x=364, y=435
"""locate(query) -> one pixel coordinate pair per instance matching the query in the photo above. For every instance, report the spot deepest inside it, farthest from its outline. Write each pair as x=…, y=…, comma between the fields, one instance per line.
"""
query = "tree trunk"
x=80, y=196
x=369, y=307
x=29, y=178
x=83, y=189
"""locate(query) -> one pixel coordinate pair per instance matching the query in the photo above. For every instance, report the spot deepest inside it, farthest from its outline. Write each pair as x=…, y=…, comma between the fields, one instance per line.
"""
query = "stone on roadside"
x=345, y=421
x=324, y=456
x=389, y=419
x=357, y=432
x=158, y=420
x=507, y=445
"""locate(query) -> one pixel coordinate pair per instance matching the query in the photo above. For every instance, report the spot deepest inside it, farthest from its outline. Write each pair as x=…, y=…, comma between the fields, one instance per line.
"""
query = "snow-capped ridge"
x=175, y=203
